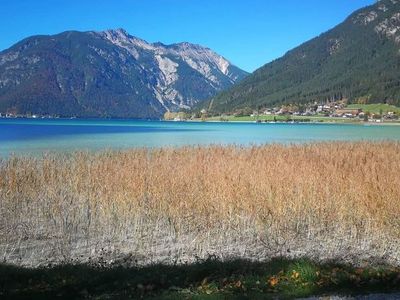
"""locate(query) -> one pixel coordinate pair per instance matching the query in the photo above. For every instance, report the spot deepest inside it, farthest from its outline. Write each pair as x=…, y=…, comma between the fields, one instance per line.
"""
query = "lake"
x=35, y=136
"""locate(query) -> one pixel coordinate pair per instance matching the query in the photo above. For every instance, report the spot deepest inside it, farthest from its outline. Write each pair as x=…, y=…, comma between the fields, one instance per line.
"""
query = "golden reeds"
x=321, y=200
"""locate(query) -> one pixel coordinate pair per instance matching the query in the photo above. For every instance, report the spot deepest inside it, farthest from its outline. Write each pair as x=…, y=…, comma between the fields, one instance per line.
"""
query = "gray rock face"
x=108, y=74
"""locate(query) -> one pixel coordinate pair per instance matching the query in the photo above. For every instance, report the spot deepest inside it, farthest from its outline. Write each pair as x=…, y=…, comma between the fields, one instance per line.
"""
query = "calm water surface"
x=33, y=136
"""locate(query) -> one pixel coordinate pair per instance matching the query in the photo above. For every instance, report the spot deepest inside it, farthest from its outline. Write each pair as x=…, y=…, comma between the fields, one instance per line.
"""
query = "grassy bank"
x=376, y=108
x=322, y=201
x=210, y=279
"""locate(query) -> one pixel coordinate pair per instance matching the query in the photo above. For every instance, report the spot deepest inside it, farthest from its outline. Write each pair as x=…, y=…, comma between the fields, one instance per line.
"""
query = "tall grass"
x=327, y=201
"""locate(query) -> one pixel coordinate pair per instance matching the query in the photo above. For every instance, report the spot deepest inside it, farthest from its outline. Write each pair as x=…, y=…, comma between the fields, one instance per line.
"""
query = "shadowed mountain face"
x=108, y=74
x=358, y=60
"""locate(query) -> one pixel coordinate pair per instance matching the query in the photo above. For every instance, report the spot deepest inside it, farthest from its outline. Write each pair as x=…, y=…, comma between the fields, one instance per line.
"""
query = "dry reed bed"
x=326, y=201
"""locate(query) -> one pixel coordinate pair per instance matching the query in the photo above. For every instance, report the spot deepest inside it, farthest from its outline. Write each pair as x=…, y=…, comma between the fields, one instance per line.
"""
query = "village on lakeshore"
x=330, y=111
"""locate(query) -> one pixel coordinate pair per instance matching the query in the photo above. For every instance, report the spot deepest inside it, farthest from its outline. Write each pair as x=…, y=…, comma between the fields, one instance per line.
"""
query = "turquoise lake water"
x=36, y=136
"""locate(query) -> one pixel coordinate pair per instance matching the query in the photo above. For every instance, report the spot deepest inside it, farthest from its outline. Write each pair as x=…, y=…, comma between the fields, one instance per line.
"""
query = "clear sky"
x=249, y=33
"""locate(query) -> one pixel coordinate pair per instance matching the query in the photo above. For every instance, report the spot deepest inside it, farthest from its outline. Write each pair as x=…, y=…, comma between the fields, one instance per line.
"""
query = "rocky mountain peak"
x=109, y=73
x=117, y=32
x=199, y=58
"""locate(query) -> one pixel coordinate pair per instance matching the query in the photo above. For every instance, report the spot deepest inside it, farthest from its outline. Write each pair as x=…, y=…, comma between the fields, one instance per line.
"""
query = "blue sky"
x=249, y=33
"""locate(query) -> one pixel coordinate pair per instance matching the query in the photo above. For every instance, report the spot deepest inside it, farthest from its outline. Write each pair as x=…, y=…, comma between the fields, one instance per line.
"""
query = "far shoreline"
x=289, y=123
x=327, y=122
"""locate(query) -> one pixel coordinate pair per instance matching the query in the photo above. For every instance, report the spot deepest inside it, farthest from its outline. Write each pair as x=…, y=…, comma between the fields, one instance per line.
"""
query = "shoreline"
x=330, y=122
x=290, y=123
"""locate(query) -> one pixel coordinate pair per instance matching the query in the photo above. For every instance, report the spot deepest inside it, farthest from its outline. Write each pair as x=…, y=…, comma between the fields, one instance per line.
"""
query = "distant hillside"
x=358, y=60
x=108, y=74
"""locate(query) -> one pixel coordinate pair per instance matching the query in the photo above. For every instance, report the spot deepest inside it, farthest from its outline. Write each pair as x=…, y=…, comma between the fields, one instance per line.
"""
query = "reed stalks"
x=324, y=201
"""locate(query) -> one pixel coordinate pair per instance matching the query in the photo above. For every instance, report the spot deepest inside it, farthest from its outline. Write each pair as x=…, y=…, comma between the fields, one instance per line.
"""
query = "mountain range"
x=113, y=74
x=108, y=74
x=358, y=60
